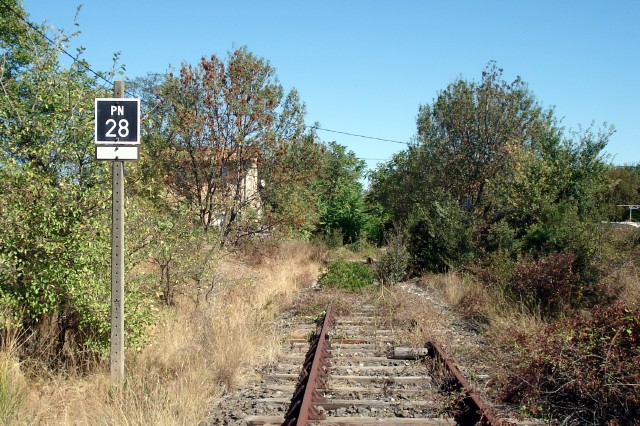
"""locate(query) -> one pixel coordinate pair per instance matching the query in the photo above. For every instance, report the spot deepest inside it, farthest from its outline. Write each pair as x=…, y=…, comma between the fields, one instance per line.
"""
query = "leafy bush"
x=495, y=270
x=53, y=262
x=375, y=225
x=333, y=239
x=54, y=270
x=346, y=211
x=364, y=248
x=559, y=228
x=585, y=368
x=392, y=267
x=440, y=236
x=182, y=253
x=502, y=237
x=347, y=275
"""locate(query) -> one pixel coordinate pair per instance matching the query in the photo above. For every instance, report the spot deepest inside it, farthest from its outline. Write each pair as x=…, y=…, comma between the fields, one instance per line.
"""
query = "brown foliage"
x=227, y=128
x=586, y=367
x=549, y=283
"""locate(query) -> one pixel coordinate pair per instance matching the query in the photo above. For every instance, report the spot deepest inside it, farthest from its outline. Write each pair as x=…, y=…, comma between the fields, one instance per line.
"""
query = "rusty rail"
x=313, y=377
x=474, y=410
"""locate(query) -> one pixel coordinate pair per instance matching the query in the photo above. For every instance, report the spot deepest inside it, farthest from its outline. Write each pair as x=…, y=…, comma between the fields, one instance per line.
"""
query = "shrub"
x=501, y=237
x=496, y=269
x=363, y=247
x=557, y=282
x=392, y=266
x=586, y=368
x=375, y=225
x=53, y=257
x=333, y=239
x=549, y=283
x=440, y=236
x=347, y=275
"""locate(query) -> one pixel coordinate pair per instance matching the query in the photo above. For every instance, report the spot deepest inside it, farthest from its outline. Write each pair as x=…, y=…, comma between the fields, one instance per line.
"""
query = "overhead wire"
x=109, y=82
x=357, y=135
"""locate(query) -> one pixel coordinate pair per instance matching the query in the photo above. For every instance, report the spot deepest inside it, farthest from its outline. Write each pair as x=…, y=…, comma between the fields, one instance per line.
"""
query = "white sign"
x=117, y=153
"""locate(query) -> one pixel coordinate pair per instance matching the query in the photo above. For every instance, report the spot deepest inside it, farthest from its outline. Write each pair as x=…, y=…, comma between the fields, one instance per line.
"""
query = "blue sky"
x=365, y=66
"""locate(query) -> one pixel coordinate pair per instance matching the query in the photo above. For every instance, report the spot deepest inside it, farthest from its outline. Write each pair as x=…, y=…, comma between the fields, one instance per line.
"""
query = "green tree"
x=290, y=174
x=400, y=184
x=470, y=132
x=342, y=203
x=558, y=183
x=440, y=237
x=17, y=45
x=625, y=190
x=53, y=195
x=492, y=150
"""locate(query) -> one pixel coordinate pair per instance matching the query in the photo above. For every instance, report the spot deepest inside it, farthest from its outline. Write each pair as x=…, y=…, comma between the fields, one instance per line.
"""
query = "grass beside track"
x=195, y=353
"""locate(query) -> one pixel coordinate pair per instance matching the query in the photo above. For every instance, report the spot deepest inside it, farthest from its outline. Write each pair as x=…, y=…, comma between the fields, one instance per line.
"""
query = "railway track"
x=353, y=374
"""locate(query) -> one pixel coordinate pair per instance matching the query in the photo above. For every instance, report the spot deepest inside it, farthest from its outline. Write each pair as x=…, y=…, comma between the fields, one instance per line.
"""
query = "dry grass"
x=415, y=319
x=486, y=310
x=12, y=382
x=629, y=282
x=197, y=352
x=469, y=298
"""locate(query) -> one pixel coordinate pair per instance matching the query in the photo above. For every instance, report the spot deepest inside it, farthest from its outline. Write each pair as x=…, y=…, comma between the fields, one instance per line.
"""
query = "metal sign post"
x=117, y=134
x=117, y=274
x=116, y=354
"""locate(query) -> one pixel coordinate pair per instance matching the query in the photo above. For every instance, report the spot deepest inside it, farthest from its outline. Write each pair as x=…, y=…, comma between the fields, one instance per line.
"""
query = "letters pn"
x=118, y=109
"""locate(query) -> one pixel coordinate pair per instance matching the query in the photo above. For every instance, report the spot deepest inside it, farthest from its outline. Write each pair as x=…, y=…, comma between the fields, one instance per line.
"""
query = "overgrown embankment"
x=195, y=352
x=553, y=354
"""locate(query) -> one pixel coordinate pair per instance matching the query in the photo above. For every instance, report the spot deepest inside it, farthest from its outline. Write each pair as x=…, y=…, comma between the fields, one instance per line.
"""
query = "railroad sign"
x=117, y=121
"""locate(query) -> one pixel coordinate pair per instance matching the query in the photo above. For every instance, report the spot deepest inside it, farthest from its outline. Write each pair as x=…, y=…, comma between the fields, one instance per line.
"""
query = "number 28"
x=122, y=125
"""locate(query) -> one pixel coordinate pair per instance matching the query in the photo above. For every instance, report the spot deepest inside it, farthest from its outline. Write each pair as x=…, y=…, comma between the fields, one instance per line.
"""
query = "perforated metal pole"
x=117, y=263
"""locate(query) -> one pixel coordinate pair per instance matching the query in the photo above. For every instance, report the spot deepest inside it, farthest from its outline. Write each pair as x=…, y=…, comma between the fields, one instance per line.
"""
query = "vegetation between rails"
x=347, y=275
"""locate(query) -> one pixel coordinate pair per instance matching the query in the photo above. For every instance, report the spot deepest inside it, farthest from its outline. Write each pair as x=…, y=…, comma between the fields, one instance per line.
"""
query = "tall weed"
x=392, y=266
x=12, y=384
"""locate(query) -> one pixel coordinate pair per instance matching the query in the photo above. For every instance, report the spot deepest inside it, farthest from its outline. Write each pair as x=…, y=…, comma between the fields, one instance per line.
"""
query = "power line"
x=356, y=135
